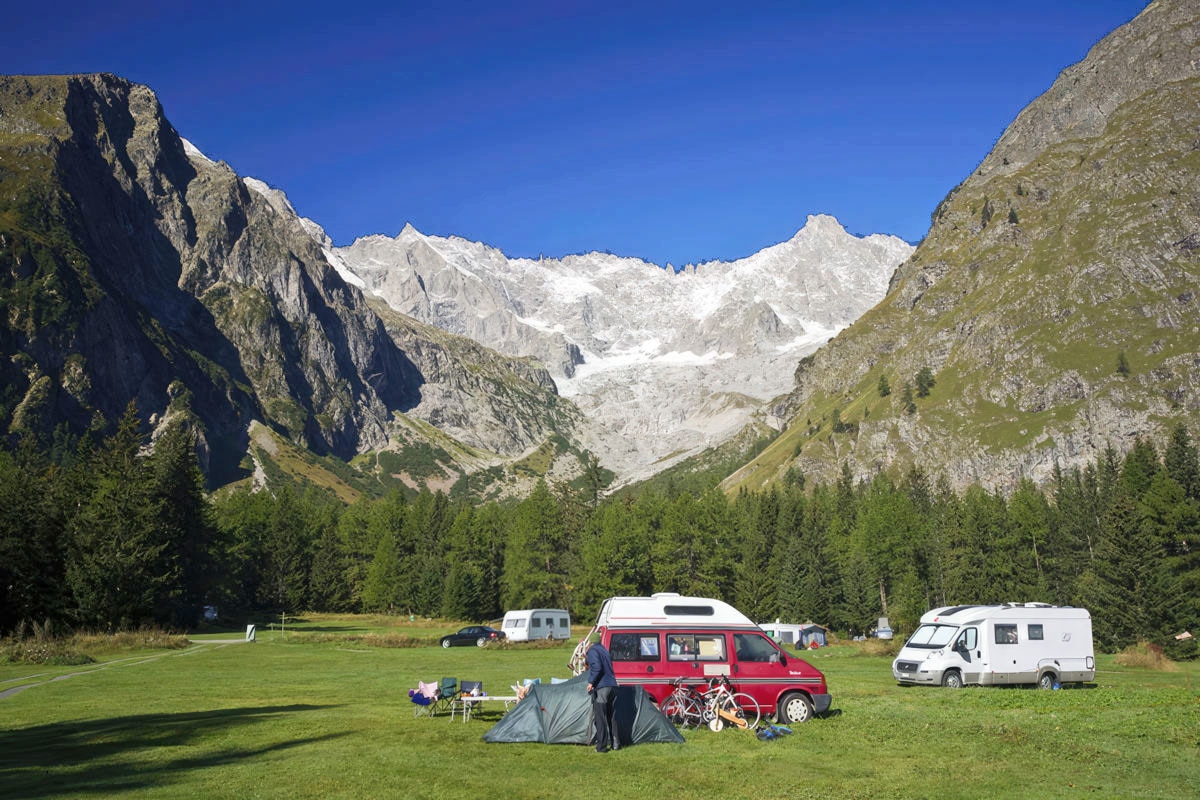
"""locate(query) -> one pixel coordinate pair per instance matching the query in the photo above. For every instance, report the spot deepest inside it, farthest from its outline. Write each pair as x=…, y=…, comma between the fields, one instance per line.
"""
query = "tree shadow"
x=105, y=756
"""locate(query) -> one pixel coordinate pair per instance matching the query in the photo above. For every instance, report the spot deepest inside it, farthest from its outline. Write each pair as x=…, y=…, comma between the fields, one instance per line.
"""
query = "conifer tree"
x=533, y=570
x=189, y=560
x=114, y=557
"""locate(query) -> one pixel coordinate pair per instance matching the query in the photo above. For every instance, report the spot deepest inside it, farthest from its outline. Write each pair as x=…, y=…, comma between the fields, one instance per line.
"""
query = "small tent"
x=811, y=635
x=561, y=713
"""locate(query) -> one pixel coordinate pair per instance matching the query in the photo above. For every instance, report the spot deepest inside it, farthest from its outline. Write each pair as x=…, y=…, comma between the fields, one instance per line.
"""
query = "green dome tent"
x=561, y=713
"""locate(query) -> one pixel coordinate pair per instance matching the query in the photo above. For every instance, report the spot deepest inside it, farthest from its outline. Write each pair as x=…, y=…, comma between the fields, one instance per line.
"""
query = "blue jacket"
x=600, y=668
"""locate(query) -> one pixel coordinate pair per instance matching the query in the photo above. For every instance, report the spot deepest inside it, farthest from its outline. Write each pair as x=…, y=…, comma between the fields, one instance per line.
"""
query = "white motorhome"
x=1013, y=643
x=536, y=623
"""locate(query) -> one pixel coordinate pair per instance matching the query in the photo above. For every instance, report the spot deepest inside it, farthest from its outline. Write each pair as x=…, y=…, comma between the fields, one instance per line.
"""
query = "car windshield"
x=932, y=636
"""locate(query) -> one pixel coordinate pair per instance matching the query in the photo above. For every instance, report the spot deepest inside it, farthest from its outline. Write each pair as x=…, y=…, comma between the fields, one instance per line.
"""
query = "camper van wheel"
x=1047, y=680
x=794, y=707
x=952, y=679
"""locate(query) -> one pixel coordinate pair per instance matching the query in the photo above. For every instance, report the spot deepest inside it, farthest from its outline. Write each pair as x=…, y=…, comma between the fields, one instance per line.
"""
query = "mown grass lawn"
x=318, y=713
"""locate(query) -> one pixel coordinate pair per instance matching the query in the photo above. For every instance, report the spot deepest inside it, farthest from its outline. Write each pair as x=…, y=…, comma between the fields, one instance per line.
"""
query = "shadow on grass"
x=104, y=756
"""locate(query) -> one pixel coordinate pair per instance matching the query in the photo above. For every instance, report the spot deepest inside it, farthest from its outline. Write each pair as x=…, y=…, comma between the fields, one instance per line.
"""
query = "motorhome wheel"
x=1046, y=681
x=952, y=679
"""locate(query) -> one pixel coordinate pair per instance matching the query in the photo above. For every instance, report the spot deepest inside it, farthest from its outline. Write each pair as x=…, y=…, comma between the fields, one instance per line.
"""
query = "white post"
x=249, y=633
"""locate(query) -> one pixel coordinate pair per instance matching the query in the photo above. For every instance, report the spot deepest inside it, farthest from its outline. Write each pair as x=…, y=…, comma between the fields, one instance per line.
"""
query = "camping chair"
x=446, y=694
x=424, y=698
x=460, y=706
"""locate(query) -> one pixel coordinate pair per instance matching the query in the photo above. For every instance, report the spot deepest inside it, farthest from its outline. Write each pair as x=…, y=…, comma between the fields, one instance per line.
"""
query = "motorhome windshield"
x=932, y=636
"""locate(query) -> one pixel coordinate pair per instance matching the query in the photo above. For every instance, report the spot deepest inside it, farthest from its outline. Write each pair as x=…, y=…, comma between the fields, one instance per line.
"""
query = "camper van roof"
x=964, y=615
x=667, y=608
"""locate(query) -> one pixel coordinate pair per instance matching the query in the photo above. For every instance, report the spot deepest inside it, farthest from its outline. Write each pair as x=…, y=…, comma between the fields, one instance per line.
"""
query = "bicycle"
x=726, y=706
x=684, y=706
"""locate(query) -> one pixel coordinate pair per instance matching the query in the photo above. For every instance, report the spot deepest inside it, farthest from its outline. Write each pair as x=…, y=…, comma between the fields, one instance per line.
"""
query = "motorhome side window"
x=681, y=648
x=1006, y=634
x=696, y=647
x=1034, y=632
x=633, y=647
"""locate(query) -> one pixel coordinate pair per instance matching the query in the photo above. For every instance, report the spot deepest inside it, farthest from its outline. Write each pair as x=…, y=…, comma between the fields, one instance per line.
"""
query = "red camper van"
x=656, y=640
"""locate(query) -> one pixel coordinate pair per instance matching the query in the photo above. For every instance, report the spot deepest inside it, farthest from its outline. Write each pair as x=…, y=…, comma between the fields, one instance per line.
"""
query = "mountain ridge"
x=668, y=363
x=1053, y=297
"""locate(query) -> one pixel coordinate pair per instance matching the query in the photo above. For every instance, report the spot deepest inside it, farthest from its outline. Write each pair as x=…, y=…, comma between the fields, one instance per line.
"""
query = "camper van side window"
x=633, y=647
x=1034, y=632
x=752, y=647
x=1006, y=634
x=711, y=648
x=681, y=648
x=688, y=611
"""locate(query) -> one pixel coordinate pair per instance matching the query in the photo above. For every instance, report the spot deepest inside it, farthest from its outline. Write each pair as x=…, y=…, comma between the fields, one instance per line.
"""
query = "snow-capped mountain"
x=664, y=363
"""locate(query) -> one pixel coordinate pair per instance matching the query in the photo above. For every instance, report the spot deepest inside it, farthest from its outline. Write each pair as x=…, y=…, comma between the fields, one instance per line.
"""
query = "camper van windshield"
x=932, y=636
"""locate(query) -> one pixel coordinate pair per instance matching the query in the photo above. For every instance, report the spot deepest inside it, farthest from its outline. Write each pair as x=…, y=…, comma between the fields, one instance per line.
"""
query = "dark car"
x=478, y=635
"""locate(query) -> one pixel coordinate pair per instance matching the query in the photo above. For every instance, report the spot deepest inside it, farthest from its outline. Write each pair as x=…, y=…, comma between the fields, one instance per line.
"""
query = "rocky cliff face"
x=1054, y=297
x=132, y=267
x=662, y=364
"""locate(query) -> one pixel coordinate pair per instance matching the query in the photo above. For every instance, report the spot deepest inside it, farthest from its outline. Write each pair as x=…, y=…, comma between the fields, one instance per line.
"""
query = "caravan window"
x=1006, y=634
x=564, y=622
x=537, y=622
x=1034, y=632
x=633, y=647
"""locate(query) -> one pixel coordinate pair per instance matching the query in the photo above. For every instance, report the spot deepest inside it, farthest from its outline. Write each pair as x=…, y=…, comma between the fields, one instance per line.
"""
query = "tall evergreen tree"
x=32, y=529
x=1182, y=461
x=115, y=553
x=187, y=528
x=756, y=519
x=534, y=575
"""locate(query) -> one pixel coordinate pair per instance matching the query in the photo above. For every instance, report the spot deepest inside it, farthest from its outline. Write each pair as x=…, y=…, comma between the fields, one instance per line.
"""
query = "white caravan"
x=1012, y=643
x=536, y=623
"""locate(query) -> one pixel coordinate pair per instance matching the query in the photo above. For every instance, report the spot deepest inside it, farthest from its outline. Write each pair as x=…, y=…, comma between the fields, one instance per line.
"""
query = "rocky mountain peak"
x=663, y=363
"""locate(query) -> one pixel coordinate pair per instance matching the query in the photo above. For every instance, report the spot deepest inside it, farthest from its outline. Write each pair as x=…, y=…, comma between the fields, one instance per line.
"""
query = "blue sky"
x=672, y=131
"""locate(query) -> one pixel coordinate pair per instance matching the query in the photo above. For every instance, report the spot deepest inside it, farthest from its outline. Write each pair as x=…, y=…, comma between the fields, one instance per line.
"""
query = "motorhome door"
x=966, y=647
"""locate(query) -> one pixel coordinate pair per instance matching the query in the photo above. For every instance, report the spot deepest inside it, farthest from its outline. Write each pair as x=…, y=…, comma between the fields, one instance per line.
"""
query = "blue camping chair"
x=424, y=698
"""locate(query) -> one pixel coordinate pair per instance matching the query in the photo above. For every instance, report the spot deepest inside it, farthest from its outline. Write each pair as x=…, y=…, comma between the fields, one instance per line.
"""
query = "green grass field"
x=319, y=713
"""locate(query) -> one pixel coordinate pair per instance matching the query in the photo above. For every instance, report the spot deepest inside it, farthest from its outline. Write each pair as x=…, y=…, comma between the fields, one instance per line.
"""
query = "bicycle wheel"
x=682, y=710
x=742, y=707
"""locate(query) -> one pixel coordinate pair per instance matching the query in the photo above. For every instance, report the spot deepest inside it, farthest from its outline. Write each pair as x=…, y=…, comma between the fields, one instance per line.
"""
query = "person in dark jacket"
x=602, y=686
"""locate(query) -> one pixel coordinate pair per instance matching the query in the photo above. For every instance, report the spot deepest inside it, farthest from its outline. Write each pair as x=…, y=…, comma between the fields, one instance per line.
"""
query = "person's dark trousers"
x=602, y=713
